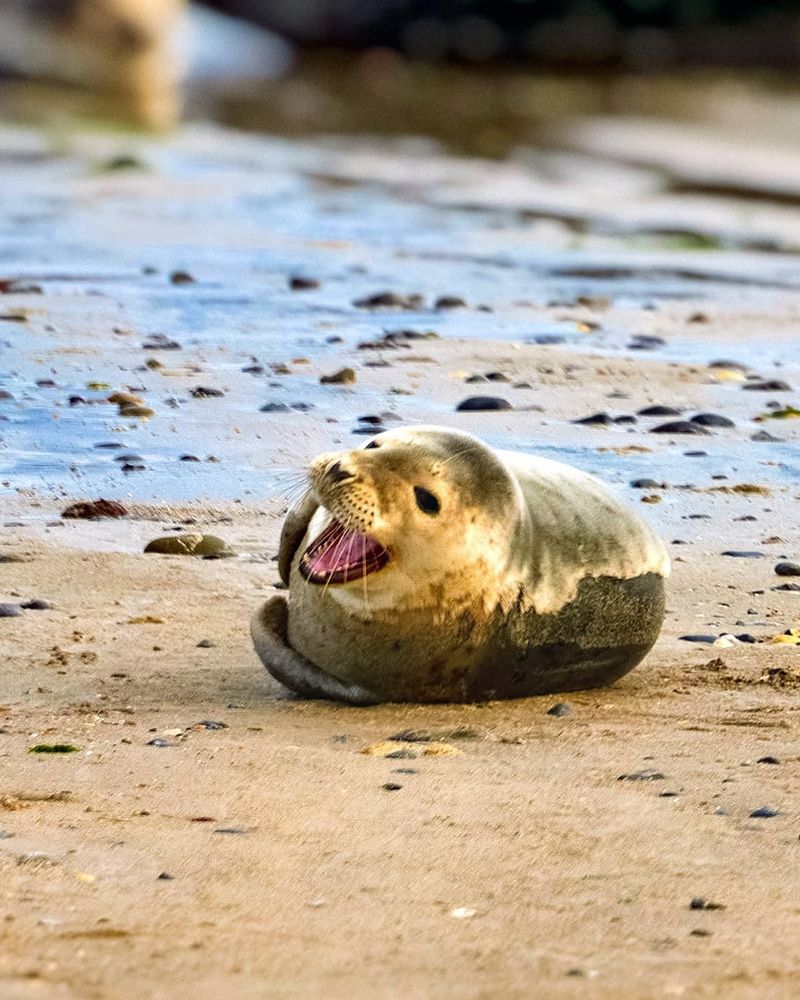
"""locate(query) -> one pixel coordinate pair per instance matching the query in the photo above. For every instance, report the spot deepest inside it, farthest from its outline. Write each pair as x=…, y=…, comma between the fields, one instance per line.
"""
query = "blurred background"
x=480, y=75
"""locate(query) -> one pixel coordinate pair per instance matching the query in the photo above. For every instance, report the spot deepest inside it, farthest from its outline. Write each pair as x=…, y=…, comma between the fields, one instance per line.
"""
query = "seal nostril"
x=336, y=473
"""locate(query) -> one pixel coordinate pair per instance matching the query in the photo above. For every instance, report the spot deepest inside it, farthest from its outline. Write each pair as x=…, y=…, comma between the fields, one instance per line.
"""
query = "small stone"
x=678, y=427
x=449, y=302
x=275, y=408
x=647, y=484
x=659, y=411
x=645, y=342
x=188, y=458
x=92, y=510
x=789, y=587
x=477, y=403
x=698, y=638
x=205, y=392
x=10, y=610
x=701, y=903
x=768, y=385
x=300, y=284
x=560, y=709
x=181, y=278
x=206, y=644
x=345, y=376
x=390, y=300
x=164, y=877
x=36, y=604
x=137, y=412
x=160, y=342
x=212, y=725
x=595, y=419
x=746, y=554
x=497, y=377
x=647, y=775
x=764, y=812
x=767, y=760
x=787, y=569
x=231, y=830
x=711, y=420
x=158, y=742
x=391, y=786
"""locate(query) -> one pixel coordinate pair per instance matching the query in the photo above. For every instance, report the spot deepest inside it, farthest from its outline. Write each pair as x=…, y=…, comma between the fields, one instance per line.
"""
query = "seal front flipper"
x=294, y=528
x=268, y=628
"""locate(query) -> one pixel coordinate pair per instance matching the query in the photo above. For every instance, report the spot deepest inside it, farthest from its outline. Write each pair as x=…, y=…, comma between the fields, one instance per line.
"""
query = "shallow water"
x=241, y=216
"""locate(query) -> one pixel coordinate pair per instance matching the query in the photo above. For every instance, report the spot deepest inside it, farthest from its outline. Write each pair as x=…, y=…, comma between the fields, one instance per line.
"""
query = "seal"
x=428, y=567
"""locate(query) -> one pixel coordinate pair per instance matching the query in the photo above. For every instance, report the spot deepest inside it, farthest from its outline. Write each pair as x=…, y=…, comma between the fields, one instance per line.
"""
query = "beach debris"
x=207, y=546
x=390, y=300
x=560, y=709
x=787, y=569
x=53, y=748
x=345, y=376
x=646, y=775
x=678, y=427
x=299, y=284
x=10, y=610
x=92, y=510
x=768, y=385
x=711, y=420
x=764, y=812
x=475, y=403
x=658, y=410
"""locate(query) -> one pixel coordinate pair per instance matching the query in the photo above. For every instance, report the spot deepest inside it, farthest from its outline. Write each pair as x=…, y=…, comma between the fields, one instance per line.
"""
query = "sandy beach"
x=212, y=833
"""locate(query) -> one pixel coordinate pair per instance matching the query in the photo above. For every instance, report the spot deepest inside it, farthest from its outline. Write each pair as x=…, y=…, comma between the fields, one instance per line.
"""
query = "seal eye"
x=426, y=501
x=372, y=444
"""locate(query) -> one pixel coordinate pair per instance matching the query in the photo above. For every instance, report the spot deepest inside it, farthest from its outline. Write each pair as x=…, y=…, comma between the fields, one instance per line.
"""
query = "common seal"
x=428, y=567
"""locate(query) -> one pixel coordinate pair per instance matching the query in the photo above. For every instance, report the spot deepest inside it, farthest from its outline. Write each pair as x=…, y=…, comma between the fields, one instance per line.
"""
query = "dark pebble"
x=36, y=604
x=659, y=411
x=10, y=611
x=391, y=786
x=547, y=339
x=787, y=569
x=764, y=812
x=625, y=418
x=767, y=760
x=401, y=755
x=159, y=743
x=449, y=302
x=793, y=588
x=373, y=419
x=700, y=932
x=678, y=427
x=668, y=795
x=743, y=555
x=110, y=445
x=560, y=709
x=698, y=638
x=368, y=430
x=160, y=342
x=299, y=284
x=695, y=454
x=212, y=725
x=647, y=484
x=727, y=363
x=764, y=437
x=254, y=369
x=165, y=877
x=701, y=903
x=746, y=637
x=497, y=377
x=644, y=342
x=128, y=457
x=642, y=776
x=206, y=644
x=769, y=385
x=712, y=420
x=205, y=392
x=595, y=419
x=232, y=830
x=76, y=401
x=484, y=403
x=471, y=379
x=188, y=458
x=390, y=300
x=181, y=278
x=275, y=408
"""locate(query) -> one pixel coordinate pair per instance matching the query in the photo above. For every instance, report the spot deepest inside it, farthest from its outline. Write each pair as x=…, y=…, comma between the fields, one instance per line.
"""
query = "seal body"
x=428, y=567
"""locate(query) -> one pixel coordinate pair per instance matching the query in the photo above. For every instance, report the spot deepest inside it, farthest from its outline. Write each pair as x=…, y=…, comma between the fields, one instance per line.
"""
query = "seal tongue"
x=338, y=555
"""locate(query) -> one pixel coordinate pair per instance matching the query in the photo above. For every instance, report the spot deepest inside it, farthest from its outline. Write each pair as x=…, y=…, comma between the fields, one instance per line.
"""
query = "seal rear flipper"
x=268, y=628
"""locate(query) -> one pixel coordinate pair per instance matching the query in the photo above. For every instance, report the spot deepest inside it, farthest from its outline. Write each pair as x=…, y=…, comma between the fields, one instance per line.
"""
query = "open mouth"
x=338, y=555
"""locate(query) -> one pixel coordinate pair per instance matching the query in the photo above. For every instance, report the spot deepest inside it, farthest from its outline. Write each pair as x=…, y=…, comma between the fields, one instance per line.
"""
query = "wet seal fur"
x=489, y=574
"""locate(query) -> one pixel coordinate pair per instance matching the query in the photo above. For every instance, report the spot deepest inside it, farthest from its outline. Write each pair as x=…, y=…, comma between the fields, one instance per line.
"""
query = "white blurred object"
x=221, y=47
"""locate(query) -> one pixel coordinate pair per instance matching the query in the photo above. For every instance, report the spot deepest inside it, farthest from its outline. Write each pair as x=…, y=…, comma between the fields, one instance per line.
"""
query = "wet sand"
x=266, y=856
